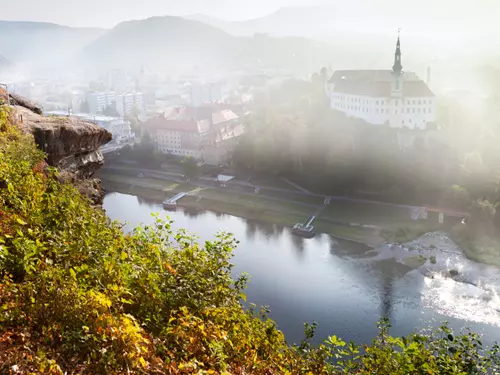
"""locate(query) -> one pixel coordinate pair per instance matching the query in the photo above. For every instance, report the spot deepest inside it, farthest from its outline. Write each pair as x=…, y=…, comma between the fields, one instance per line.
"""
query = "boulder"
x=72, y=145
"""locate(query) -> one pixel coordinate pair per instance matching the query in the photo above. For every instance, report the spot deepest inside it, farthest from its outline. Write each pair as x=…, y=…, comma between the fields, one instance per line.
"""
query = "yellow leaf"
x=22, y=222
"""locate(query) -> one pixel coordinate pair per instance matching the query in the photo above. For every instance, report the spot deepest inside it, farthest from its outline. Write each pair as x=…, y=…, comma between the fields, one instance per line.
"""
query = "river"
x=344, y=286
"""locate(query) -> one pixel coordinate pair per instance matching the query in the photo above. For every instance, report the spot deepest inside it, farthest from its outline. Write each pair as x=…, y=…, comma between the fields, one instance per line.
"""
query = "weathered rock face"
x=71, y=145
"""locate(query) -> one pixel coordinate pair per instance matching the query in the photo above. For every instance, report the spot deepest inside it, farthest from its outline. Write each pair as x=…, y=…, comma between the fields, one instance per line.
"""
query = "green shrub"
x=433, y=259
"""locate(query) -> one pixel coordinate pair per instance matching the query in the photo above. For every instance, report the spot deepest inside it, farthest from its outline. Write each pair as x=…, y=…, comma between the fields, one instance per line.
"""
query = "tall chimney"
x=428, y=76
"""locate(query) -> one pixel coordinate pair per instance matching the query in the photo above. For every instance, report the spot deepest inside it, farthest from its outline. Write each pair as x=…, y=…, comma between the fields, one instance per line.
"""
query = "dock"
x=305, y=230
x=171, y=203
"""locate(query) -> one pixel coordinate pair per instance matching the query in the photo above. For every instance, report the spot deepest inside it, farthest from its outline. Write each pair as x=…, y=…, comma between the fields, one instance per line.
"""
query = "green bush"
x=433, y=259
x=79, y=296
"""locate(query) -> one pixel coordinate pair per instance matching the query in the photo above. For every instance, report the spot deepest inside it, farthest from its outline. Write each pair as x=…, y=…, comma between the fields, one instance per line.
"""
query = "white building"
x=118, y=127
x=99, y=101
x=384, y=97
x=126, y=103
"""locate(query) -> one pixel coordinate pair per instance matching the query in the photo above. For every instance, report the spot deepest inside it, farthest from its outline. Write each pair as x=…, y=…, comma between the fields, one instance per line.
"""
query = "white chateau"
x=384, y=97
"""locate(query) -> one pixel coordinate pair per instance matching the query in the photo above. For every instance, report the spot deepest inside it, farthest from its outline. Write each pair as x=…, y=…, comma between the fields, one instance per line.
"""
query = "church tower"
x=397, y=102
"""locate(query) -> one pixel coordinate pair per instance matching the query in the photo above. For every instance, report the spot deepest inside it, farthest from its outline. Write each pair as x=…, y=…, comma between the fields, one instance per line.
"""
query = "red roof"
x=369, y=75
x=379, y=89
x=161, y=123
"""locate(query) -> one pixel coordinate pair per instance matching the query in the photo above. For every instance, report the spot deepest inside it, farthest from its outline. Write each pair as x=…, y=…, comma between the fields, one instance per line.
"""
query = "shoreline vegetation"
x=348, y=220
x=359, y=222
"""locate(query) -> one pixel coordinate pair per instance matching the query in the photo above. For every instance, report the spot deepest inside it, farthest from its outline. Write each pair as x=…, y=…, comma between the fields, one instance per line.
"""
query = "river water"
x=344, y=286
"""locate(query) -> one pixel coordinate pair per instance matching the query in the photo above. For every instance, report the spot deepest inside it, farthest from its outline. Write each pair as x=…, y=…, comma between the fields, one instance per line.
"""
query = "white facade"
x=171, y=142
x=414, y=112
x=384, y=97
x=99, y=101
x=126, y=103
x=118, y=127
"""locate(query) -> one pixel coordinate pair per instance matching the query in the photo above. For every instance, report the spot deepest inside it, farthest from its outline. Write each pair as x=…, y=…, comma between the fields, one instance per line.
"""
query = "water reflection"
x=343, y=285
x=192, y=213
x=299, y=246
x=146, y=201
x=386, y=302
x=251, y=229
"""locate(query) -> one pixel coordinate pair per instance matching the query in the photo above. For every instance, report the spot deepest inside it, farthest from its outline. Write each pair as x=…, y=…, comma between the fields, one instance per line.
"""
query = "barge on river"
x=305, y=230
x=171, y=203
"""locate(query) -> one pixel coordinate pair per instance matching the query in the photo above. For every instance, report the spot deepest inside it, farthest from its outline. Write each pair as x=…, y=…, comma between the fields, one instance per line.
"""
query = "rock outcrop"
x=71, y=145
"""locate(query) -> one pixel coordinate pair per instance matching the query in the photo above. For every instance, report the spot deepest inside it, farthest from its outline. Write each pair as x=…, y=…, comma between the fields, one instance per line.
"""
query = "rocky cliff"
x=71, y=145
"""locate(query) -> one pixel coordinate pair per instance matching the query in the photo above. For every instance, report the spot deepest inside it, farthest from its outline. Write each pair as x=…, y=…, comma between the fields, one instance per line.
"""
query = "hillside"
x=305, y=21
x=425, y=17
x=160, y=42
x=4, y=63
x=38, y=43
x=173, y=42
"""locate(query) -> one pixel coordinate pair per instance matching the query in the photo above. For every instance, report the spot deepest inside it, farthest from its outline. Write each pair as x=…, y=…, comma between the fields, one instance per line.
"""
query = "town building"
x=204, y=133
x=99, y=101
x=118, y=127
x=384, y=97
x=207, y=93
x=126, y=104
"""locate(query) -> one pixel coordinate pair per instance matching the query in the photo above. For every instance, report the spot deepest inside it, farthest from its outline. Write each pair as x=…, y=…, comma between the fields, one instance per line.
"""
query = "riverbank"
x=367, y=223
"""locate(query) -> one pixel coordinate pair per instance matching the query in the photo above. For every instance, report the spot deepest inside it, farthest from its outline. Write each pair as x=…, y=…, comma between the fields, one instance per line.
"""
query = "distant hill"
x=303, y=21
x=159, y=42
x=39, y=43
x=174, y=42
x=4, y=63
x=422, y=17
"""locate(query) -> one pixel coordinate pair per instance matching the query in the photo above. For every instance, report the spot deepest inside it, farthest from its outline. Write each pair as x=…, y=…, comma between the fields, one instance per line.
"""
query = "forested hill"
x=163, y=42
x=39, y=43
x=160, y=41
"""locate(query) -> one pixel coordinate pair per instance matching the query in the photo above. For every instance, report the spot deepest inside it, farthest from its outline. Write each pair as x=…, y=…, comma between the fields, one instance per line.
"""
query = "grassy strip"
x=334, y=220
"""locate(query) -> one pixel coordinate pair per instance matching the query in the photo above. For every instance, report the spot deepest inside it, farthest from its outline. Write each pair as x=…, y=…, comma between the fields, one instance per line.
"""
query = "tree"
x=84, y=107
x=190, y=167
x=110, y=110
x=457, y=197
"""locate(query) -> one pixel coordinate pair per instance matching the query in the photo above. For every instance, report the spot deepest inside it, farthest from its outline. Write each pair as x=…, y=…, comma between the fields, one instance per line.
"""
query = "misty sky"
x=108, y=13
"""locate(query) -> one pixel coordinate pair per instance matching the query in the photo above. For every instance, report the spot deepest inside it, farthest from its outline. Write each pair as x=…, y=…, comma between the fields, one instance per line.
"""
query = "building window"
x=419, y=110
x=413, y=110
x=430, y=110
x=413, y=102
x=419, y=102
x=397, y=102
x=423, y=109
x=407, y=110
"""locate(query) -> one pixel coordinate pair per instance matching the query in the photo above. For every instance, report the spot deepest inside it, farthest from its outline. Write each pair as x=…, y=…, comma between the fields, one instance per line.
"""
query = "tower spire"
x=397, y=67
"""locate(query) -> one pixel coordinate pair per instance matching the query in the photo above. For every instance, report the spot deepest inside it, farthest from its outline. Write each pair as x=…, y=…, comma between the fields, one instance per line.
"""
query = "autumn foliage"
x=78, y=296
